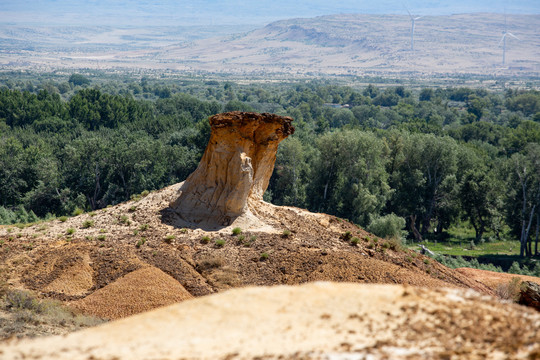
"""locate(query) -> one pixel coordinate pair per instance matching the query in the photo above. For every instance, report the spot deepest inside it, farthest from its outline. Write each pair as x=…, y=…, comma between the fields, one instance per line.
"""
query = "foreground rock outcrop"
x=236, y=166
x=313, y=321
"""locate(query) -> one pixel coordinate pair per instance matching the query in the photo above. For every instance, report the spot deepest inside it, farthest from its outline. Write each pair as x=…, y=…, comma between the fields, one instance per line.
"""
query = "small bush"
x=123, y=219
x=355, y=241
x=236, y=231
x=101, y=237
x=70, y=231
x=22, y=300
x=169, y=239
x=220, y=242
x=252, y=238
x=132, y=208
x=286, y=233
x=78, y=211
x=141, y=242
x=241, y=238
x=144, y=227
x=409, y=259
x=102, y=231
x=346, y=236
x=63, y=218
x=395, y=244
x=210, y=262
x=205, y=239
x=184, y=231
x=510, y=291
x=387, y=226
x=264, y=256
x=92, y=214
x=87, y=224
x=426, y=261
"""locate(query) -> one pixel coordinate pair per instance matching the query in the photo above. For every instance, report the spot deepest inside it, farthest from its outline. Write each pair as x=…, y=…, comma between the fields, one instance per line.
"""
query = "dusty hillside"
x=314, y=321
x=345, y=44
x=137, y=234
x=493, y=279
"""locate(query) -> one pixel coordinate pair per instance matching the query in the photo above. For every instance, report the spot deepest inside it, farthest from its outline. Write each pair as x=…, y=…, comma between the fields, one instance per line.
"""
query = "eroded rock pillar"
x=236, y=166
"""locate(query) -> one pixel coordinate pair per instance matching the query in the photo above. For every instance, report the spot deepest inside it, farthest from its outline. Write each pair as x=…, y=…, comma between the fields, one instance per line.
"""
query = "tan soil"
x=139, y=291
x=313, y=321
x=493, y=279
x=44, y=259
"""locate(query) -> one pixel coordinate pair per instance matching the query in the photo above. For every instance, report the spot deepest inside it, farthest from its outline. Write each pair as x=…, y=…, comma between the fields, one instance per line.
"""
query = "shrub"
x=70, y=231
x=78, y=211
x=101, y=237
x=220, y=242
x=236, y=231
x=132, y=208
x=141, y=242
x=169, y=238
x=210, y=262
x=395, y=244
x=123, y=219
x=87, y=224
x=144, y=227
x=346, y=236
x=22, y=300
x=264, y=256
x=286, y=233
x=63, y=218
x=510, y=291
x=387, y=226
x=205, y=239
x=355, y=241
x=183, y=231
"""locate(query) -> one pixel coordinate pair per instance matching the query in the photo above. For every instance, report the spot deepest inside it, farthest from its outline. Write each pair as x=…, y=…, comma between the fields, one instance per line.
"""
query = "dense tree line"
x=428, y=159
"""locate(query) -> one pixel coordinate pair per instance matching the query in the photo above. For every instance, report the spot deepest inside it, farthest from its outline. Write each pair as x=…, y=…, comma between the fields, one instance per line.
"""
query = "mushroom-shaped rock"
x=236, y=167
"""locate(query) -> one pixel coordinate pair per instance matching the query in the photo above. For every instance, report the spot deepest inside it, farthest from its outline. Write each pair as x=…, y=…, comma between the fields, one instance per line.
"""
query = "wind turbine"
x=503, y=40
x=413, y=20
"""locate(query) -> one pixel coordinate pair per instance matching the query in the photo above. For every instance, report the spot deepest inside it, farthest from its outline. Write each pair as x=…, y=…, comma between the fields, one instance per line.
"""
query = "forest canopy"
x=421, y=160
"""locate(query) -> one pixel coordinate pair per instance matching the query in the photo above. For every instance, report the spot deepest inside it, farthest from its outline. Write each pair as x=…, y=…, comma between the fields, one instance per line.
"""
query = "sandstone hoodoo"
x=235, y=169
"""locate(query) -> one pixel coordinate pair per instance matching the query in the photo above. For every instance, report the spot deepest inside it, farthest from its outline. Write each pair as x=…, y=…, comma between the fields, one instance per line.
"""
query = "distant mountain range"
x=327, y=45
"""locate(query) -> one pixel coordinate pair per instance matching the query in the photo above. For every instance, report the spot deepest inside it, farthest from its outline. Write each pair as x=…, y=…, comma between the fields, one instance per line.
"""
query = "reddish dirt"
x=139, y=291
x=493, y=279
x=119, y=240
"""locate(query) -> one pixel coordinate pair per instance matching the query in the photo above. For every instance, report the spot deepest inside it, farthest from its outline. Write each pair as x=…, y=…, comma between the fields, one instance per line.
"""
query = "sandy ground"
x=314, y=321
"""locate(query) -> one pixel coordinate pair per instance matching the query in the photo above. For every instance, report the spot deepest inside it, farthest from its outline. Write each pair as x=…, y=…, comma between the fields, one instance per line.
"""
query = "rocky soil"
x=314, y=321
x=87, y=257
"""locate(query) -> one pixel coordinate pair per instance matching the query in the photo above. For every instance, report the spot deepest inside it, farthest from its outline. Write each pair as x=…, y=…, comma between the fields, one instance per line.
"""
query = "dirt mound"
x=493, y=279
x=141, y=290
x=314, y=321
x=56, y=259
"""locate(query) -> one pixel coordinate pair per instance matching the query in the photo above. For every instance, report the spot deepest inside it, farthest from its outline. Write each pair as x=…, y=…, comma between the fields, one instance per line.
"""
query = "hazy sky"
x=206, y=12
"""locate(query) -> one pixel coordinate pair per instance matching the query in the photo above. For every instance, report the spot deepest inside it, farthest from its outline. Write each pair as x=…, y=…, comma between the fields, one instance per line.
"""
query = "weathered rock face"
x=236, y=167
x=530, y=295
